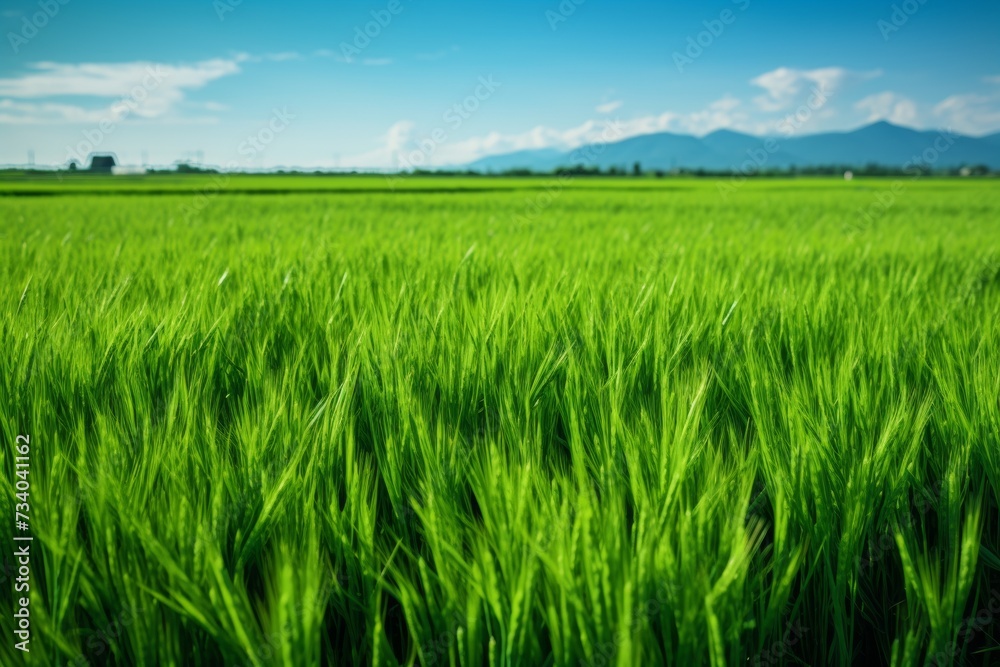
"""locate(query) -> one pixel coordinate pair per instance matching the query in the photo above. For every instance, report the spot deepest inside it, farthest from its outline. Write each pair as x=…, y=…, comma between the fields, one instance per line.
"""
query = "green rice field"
x=303, y=420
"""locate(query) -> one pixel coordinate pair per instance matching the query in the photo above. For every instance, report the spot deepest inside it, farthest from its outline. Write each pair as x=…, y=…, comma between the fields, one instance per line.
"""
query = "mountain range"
x=880, y=143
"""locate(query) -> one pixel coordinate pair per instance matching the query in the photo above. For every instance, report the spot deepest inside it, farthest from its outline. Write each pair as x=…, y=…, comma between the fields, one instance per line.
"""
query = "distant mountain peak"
x=881, y=142
x=882, y=126
x=727, y=133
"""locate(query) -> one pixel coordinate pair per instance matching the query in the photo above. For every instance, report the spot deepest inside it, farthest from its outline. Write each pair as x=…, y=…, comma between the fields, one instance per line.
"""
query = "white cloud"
x=282, y=57
x=494, y=143
x=889, y=106
x=155, y=88
x=399, y=135
x=786, y=87
x=376, y=62
x=401, y=139
x=111, y=79
x=727, y=103
x=721, y=114
x=970, y=114
x=437, y=55
x=31, y=113
x=48, y=113
x=724, y=113
x=327, y=53
x=991, y=79
x=608, y=107
x=393, y=144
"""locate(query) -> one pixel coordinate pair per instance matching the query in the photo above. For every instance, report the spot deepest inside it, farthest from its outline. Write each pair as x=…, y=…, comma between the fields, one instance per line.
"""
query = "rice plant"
x=613, y=426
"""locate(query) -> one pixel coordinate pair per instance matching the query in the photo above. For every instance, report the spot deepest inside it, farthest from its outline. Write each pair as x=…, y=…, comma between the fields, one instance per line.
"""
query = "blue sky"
x=250, y=84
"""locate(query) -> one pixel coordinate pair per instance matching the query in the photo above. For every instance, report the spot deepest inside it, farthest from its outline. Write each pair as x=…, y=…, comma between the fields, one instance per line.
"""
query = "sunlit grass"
x=621, y=426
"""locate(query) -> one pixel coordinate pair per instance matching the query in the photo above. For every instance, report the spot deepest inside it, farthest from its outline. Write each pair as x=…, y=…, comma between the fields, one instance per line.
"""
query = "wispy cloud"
x=159, y=87
x=971, y=114
x=49, y=113
x=726, y=112
x=992, y=79
x=282, y=57
x=112, y=79
x=784, y=87
x=397, y=139
x=32, y=113
x=327, y=53
x=889, y=106
x=437, y=55
x=608, y=107
x=333, y=55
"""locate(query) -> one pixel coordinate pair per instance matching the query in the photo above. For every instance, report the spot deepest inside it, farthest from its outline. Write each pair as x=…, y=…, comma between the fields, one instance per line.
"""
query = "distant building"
x=122, y=170
x=102, y=164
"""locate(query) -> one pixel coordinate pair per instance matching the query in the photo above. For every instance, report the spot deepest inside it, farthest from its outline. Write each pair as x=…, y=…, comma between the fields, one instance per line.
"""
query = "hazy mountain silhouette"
x=880, y=143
